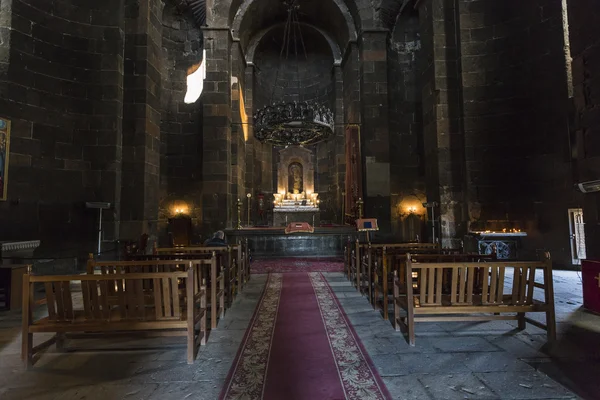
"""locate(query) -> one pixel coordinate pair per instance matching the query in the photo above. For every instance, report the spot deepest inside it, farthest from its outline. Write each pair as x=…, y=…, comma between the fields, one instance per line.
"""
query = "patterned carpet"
x=264, y=266
x=300, y=345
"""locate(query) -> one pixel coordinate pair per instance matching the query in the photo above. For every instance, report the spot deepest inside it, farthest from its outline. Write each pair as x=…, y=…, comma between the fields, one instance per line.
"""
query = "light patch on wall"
x=239, y=91
x=195, y=81
x=243, y=115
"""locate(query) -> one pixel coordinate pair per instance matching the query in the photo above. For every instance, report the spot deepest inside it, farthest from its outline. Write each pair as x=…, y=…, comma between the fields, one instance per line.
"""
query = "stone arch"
x=390, y=10
x=243, y=10
x=256, y=39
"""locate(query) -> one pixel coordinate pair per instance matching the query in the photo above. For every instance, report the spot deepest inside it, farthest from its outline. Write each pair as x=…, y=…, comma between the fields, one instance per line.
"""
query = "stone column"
x=239, y=125
x=141, y=119
x=217, y=199
x=375, y=127
x=338, y=144
x=250, y=143
x=442, y=119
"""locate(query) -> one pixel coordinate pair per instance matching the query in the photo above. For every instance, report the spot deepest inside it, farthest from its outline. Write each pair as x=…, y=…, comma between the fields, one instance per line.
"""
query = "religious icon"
x=295, y=178
x=4, y=151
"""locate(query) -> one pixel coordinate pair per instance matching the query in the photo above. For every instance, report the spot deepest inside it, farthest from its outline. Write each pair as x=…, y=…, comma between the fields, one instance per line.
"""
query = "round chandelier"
x=293, y=123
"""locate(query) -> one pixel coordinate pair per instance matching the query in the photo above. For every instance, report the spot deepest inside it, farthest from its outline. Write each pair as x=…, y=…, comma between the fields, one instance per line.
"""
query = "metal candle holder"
x=239, y=214
x=249, y=196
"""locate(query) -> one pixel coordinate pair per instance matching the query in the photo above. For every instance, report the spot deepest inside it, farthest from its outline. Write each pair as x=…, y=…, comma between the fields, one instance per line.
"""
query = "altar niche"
x=295, y=200
x=295, y=181
x=295, y=171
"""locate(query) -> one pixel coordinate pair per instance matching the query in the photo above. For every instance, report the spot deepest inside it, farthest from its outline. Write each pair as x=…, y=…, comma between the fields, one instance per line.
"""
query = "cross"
x=598, y=279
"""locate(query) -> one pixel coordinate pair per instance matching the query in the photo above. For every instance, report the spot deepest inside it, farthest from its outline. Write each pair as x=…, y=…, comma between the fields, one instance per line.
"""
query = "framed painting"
x=4, y=151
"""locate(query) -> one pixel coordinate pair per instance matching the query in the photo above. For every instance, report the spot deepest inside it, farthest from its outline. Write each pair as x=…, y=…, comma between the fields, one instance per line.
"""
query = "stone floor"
x=489, y=360
x=450, y=360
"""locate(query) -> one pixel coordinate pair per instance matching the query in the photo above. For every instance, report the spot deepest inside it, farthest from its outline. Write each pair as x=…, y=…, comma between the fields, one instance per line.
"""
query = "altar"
x=296, y=200
x=275, y=242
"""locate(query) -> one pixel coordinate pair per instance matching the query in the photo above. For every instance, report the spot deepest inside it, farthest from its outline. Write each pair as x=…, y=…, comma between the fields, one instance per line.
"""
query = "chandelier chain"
x=293, y=122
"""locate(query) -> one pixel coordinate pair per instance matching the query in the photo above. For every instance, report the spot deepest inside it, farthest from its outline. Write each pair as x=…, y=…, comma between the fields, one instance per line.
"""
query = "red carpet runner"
x=300, y=346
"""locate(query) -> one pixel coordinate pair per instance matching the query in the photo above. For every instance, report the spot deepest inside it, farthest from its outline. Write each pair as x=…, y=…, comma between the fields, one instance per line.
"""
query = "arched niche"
x=295, y=155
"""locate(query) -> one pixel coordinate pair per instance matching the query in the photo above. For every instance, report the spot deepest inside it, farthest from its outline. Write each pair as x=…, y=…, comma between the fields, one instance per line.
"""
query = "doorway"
x=577, y=235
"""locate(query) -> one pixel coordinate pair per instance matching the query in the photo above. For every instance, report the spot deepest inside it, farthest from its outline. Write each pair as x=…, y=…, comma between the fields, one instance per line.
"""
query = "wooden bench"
x=173, y=305
x=427, y=301
x=235, y=261
x=387, y=264
x=207, y=267
x=226, y=259
x=363, y=266
x=357, y=258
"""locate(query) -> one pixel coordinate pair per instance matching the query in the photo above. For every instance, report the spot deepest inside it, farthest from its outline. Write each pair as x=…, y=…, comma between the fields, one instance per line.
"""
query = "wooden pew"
x=363, y=267
x=429, y=302
x=208, y=269
x=387, y=263
x=234, y=260
x=174, y=305
x=359, y=254
x=226, y=258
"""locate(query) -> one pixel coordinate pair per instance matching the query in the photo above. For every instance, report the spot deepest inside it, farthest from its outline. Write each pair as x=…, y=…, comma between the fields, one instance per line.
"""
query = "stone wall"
x=142, y=117
x=584, y=23
x=239, y=129
x=217, y=178
x=351, y=88
x=407, y=167
x=61, y=87
x=375, y=139
x=516, y=121
x=295, y=76
x=181, y=124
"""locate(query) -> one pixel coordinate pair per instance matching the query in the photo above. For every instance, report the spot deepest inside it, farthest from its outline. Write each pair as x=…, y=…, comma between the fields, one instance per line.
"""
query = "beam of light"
x=195, y=81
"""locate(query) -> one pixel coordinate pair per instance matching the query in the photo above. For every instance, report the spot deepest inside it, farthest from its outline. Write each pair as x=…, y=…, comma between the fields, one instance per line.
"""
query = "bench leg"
x=60, y=341
x=410, y=322
x=191, y=346
x=522, y=322
x=27, y=349
x=551, y=325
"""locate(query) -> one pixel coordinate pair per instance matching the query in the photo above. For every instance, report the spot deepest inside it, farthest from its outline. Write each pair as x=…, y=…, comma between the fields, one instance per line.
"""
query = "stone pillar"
x=338, y=143
x=217, y=200
x=141, y=119
x=585, y=51
x=251, y=142
x=239, y=125
x=375, y=127
x=442, y=119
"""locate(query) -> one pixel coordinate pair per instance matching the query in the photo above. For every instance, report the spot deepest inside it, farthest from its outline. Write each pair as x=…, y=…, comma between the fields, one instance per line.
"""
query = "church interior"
x=267, y=199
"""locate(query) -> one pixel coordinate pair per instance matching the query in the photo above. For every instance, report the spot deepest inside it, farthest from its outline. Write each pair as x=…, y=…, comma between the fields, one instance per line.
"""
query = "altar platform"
x=274, y=242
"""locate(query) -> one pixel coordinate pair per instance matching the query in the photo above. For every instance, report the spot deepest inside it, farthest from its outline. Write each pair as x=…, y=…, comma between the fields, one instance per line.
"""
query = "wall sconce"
x=180, y=209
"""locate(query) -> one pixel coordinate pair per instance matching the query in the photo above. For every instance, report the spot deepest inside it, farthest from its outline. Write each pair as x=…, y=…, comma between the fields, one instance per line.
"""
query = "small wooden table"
x=11, y=285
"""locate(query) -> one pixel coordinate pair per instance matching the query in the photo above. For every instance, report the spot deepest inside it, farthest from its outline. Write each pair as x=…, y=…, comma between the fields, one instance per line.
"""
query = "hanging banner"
x=4, y=151
x=354, y=190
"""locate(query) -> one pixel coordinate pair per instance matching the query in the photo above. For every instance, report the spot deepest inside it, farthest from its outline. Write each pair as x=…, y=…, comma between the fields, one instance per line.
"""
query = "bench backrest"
x=202, y=269
x=458, y=281
x=117, y=296
x=196, y=249
x=168, y=256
